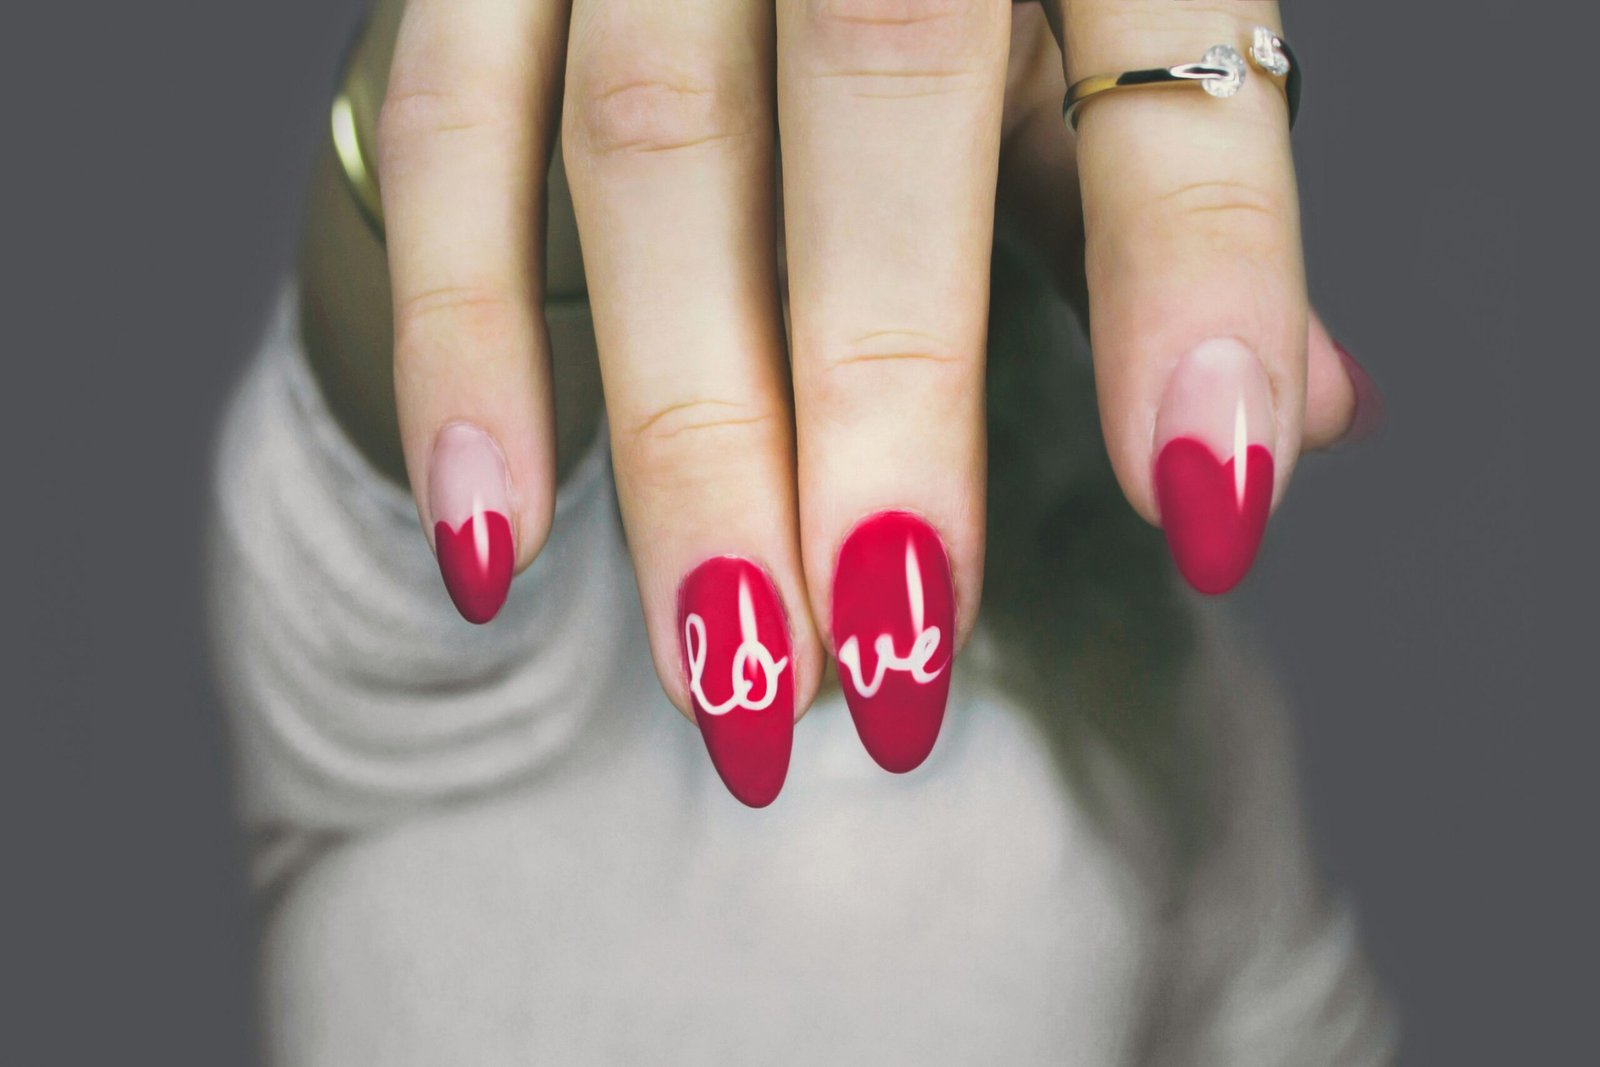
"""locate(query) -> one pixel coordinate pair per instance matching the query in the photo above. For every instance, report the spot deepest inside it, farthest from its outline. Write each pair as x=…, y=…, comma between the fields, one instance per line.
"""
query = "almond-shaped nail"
x=894, y=612
x=1213, y=467
x=737, y=657
x=469, y=504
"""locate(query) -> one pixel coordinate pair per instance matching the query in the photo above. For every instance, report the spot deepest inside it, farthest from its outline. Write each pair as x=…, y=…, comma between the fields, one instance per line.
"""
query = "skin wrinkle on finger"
x=649, y=115
x=678, y=411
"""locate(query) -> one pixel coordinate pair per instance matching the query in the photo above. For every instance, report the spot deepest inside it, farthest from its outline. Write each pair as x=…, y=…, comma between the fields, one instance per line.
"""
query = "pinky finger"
x=1343, y=404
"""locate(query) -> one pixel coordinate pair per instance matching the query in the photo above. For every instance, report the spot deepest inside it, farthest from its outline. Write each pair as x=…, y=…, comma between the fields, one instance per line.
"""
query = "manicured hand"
x=806, y=478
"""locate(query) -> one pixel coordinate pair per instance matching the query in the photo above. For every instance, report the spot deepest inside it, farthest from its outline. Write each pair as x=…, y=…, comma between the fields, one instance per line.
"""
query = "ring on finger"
x=1221, y=72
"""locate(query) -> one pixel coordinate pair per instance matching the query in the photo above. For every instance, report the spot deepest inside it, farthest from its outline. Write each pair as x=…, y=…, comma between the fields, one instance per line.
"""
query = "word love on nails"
x=736, y=654
x=751, y=652
x=892, y=586
x=923, y=647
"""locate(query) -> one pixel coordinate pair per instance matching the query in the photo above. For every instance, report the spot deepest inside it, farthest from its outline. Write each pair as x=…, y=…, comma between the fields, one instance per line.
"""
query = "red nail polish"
x=476, y=561
x=736, y=655
x=471, y=532
x=1213, y=512
x=1213, y=468
x=894, y=611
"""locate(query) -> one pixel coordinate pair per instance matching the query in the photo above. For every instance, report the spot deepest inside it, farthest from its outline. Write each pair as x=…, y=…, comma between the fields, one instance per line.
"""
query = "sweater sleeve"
x=357, y=694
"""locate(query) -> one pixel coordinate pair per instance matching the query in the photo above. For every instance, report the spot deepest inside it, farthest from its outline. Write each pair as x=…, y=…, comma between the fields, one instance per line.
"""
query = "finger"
x=1343, y=404
x=464, y=138
x=669, y=144
x=890, y=111
x=1045, y=221
x=1196, y=286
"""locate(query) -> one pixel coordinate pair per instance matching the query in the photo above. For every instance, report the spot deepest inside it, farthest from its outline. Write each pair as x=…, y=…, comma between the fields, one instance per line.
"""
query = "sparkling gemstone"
x=1226, y=58
x=1268, y=53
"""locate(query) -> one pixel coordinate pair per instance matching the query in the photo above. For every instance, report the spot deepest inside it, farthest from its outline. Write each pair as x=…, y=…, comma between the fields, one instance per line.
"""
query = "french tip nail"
x=1370, y=410
x=738, y=659
x=893, y=630
x=472, y=535
x=1213, y=472
x=1213, y=511
x=476, y=560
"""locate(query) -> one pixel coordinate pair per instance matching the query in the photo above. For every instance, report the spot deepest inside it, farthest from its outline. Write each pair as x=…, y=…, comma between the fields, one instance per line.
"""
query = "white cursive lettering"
x=750, y=650
x=923, y=646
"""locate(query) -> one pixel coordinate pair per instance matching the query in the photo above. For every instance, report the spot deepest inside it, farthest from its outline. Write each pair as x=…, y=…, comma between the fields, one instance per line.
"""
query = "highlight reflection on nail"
x=1213, y=473
x=472, y=533
x=894, y=630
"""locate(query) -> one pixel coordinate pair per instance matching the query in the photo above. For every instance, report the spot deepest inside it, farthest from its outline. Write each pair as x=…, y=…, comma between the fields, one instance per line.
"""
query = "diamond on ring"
x=1221, y=72
x=1267, y=51
x=1227, y=58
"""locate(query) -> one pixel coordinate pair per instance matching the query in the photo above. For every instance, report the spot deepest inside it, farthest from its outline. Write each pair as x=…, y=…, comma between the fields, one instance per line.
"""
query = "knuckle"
x=919, y=372
x=446, y=314
x=678, y=442
x=1231, y=207
x=412, y=120
x=628, y=105
x=874, y=40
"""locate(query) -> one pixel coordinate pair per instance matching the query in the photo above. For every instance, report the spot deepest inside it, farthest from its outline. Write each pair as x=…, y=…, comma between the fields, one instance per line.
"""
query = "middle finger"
x=890, y=117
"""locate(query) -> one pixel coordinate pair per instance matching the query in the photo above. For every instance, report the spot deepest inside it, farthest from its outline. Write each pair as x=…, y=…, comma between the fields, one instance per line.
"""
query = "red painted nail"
x=1213, y=513
x=471, y=532
x=736, y=654
x=1213, y=468
x=476, y=560
x=894, y=613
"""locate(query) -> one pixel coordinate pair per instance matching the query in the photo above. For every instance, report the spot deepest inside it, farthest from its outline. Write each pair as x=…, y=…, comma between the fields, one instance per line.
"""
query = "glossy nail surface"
x=472, y=535
x=1214, y=466
x=736, y=656
x=894, y=610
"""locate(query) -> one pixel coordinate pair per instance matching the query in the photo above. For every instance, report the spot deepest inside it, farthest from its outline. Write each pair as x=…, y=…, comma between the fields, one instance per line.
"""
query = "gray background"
x=1427, y=598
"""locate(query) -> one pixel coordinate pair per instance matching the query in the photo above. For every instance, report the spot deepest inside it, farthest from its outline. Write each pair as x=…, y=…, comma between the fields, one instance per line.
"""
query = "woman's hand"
x=824, y=475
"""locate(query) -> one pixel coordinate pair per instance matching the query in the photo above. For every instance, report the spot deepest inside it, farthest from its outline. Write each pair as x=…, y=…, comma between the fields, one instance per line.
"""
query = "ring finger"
x=1196, y=285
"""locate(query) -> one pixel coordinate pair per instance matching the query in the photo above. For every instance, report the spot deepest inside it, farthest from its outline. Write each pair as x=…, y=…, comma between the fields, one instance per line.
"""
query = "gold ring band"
x=1221, y=72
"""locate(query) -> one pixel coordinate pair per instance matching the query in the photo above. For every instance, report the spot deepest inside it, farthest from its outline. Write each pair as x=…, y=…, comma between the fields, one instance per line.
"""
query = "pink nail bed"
x=472, y=534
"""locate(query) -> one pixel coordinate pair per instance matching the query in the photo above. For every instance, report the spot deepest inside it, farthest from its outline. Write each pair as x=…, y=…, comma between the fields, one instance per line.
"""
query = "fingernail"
x=1213, y=469
x=736, y=653
x=1369, y=414
x=894, y=611
x=467, y=498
